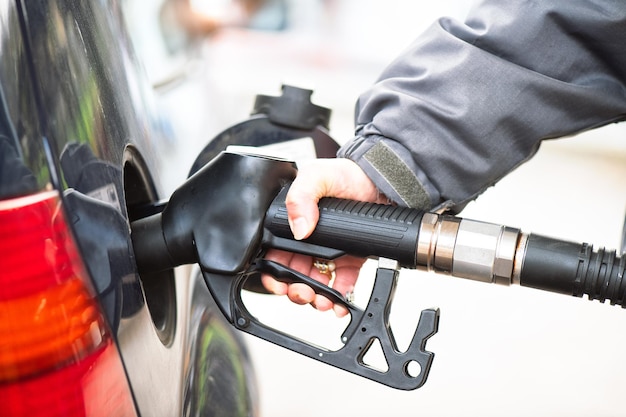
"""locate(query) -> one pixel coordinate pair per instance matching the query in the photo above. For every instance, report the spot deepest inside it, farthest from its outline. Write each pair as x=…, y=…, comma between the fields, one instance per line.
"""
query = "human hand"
x=340, y=178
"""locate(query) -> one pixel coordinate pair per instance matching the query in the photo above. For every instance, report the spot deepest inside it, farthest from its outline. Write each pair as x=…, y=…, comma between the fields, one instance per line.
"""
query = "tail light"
x=57, y=355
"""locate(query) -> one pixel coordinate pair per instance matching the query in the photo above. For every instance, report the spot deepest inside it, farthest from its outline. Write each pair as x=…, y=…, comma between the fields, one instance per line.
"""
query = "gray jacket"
x=467, y=103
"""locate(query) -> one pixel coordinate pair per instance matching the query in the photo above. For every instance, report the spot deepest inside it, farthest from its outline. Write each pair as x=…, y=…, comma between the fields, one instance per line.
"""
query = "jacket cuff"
x=393, y=171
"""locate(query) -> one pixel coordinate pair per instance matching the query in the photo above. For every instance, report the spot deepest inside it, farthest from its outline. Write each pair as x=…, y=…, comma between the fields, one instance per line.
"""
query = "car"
x=82, y=332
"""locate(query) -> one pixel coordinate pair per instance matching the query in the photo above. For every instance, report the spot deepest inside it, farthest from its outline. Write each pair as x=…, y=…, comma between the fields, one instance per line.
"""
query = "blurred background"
x=499, y=351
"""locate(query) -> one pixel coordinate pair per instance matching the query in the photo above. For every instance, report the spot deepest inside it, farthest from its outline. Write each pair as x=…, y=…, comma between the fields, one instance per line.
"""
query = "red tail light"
x=57, y=356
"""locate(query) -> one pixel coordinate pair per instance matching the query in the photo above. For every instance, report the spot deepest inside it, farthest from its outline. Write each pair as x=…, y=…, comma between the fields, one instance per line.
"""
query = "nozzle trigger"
x=366, y=327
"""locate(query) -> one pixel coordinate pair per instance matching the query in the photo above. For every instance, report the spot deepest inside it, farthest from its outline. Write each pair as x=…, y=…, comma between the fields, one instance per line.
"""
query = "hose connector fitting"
x=468, y=248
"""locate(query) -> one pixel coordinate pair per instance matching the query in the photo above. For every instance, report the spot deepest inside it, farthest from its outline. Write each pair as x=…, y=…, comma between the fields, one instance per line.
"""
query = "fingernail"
x=299, y=228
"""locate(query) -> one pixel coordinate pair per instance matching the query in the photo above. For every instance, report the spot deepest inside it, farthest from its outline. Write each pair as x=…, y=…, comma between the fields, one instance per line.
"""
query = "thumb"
x=333, y=177
x=301, y=202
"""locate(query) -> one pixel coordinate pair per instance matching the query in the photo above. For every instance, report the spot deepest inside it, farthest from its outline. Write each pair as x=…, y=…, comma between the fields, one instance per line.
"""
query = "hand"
x=340, y=178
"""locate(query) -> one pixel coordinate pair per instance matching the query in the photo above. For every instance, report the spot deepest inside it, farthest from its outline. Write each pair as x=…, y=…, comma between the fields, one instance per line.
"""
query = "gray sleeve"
x=467, y=103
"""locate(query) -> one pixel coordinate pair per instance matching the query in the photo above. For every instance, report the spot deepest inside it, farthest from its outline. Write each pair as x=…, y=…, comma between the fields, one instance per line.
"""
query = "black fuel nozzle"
x=219, y=218
x=227, y=215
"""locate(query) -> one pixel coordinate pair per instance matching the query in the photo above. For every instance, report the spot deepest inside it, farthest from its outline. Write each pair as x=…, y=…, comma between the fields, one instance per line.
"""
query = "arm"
x=467, y=103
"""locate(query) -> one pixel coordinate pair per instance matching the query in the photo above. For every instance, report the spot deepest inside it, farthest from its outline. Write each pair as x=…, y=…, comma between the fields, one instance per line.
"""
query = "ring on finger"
x=325, y=267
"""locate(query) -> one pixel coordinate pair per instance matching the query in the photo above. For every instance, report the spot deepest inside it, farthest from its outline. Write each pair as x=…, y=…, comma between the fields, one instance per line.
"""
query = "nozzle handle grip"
x=356, y=228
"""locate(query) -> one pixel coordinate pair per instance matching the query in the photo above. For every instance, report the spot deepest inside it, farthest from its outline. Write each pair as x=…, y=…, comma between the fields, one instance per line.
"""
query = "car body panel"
x=79, y=115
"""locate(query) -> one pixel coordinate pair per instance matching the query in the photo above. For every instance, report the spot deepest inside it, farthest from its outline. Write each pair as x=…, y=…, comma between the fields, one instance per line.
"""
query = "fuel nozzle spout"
x=499, y=254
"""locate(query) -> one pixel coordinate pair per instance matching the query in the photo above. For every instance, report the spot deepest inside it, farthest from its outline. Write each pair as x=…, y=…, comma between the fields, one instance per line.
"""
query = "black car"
x=82, y=333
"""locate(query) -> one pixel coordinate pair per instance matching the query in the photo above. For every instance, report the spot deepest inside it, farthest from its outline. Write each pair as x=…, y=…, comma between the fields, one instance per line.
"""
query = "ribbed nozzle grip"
x=357, y=228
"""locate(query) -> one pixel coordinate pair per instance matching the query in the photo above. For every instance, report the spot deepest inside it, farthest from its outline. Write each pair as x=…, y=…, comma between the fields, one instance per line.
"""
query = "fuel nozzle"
x=232, y=211
x=499, y=254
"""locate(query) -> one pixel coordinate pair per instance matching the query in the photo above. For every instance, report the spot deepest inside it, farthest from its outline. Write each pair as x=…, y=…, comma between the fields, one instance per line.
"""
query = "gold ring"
x=325, y=267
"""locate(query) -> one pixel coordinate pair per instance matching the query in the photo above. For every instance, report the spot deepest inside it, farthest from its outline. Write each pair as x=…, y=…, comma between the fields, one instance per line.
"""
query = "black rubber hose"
x=574, y=269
